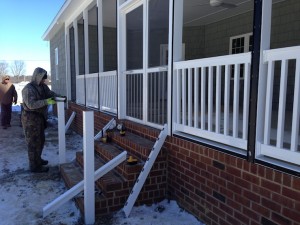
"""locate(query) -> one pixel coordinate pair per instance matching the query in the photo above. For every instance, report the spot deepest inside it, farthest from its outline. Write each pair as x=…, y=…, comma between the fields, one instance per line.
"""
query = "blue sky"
x=22, y=25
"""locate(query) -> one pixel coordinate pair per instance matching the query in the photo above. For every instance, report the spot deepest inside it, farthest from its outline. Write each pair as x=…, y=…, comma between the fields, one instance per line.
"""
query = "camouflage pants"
x=34, y=127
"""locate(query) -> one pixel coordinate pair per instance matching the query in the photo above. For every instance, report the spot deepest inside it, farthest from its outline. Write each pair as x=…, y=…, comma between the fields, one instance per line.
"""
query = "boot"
x=40, y=169
x=44, y=162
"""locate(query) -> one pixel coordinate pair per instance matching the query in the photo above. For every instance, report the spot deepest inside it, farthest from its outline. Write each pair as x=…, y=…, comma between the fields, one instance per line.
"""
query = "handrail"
x=75, y=190
x=145, y=171
x=104, y=129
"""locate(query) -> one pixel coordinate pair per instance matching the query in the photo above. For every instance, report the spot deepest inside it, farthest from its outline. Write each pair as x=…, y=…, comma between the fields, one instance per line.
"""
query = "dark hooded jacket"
x=8, y=93
x=35, y=94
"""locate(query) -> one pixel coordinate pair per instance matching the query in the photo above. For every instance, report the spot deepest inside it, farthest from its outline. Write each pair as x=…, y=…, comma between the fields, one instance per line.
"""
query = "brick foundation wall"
x=219, y=188
x=223, y=189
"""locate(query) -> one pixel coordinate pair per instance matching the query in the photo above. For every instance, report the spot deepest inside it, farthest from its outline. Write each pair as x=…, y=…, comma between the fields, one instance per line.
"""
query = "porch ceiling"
x=200, y=12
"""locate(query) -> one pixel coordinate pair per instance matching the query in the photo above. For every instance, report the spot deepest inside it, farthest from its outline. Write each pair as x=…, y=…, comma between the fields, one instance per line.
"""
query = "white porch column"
x=89, y=168
x=170, y=72
x=262, y=82
x=75, y=25
x=86, y=41
x=100, y=34
x=178, y=27
x=177, y=52
x=61, y=132
x=121, y=32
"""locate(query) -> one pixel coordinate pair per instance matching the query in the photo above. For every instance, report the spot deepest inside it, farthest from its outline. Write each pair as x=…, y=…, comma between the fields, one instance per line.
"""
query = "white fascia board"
x=67, y=13
x=55, y=24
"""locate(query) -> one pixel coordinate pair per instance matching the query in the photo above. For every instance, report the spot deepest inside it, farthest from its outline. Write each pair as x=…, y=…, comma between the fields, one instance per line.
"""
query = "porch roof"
x=68, y=8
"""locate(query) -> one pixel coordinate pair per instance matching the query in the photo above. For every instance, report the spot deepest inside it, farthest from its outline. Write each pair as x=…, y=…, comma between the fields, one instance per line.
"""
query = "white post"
x=88, y=157
x=61, y=132
x=263, y=69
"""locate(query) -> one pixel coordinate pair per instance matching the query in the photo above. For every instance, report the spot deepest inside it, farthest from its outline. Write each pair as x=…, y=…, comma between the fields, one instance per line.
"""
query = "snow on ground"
x=24, y=194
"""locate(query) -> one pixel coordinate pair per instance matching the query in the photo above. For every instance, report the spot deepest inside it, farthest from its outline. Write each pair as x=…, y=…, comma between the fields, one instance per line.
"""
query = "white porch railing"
x=80, y=90
x=108, y=91
x=146, y=95
x=134, y=94
x=89, y=89
x=281, y=127
x=92, y=92
x=211, y=98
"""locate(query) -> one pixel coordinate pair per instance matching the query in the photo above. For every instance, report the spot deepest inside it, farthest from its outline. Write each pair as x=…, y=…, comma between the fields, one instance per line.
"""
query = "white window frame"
x=246, y=43
x=246, y=46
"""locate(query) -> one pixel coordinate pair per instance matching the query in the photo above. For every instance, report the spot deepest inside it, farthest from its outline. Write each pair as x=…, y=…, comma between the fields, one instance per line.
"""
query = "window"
x=240, y=44
x=56, y=63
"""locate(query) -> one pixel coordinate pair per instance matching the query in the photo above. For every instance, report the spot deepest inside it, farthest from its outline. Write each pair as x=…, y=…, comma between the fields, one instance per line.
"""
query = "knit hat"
x=5, y=77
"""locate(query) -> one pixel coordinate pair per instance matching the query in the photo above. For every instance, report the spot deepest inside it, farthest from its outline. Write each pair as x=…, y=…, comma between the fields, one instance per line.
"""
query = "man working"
x=36, y=98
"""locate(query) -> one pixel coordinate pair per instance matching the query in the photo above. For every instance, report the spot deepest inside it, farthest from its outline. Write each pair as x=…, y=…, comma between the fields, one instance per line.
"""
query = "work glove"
x=50, y=101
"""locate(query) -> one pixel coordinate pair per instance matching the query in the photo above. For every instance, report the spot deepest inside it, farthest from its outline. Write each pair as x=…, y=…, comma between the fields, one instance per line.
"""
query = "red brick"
x=190, y=161
x=242, y=200
x=252, y=196
x=227, y=176
x=278, y=178
x=297, y=206
x=206, y=175
x=279, y=219
x=221, y=157
x=261, y=191
x=296, y=183
x=223, y=222
x=220, y=181
x=243, y=183
x=262, y=210
x=212, y=217
x=292, y=214
x=246, y=166
x=231, y=160
x=212, y=200
x=213, y=170
x=194, y=155
x=234, y=204
x=206, y=160
x=291, y=193
x=251, y=214
x=227, y=192
x=234, y=171
x=219, y=212
x=234, y=188
x=270, y=205
x=251, y=178
x=269, y=174
x=282, y=200
x=232, y=220
x=243, y=218
x=184, y=152
x=274, y=187
x=287, y=180
x=212, y=185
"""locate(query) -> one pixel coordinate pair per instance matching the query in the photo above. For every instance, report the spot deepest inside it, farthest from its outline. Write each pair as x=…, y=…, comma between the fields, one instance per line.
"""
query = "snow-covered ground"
x=24, y=194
